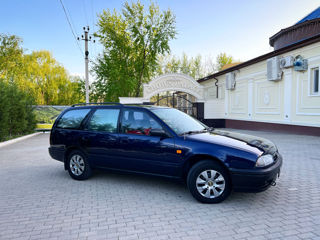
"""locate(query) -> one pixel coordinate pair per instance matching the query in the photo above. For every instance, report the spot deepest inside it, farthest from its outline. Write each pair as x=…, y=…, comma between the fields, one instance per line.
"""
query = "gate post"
x=200, y=110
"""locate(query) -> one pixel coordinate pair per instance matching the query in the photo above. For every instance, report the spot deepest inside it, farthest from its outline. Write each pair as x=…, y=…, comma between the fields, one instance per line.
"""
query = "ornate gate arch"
x=169, y=82
x=173, y=82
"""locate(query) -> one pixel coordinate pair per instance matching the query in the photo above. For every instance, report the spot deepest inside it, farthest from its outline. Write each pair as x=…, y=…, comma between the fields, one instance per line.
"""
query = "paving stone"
x=39, y=200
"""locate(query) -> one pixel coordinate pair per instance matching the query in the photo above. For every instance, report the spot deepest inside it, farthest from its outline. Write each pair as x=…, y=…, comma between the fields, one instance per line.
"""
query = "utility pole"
x=86, y=39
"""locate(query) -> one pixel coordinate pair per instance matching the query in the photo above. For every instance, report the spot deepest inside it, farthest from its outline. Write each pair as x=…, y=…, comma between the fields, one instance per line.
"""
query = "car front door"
x=142, y=152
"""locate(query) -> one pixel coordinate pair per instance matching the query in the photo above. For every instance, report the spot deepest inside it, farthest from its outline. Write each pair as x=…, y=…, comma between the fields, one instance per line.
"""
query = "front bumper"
x=255, y=180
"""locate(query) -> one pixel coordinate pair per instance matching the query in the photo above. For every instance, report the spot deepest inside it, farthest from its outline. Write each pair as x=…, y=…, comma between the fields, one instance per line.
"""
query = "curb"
x=2, y=144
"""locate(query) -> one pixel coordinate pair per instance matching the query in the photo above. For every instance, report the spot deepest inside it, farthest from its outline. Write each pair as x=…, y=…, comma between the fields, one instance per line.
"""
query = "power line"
x=74, y=35
x=71, y=21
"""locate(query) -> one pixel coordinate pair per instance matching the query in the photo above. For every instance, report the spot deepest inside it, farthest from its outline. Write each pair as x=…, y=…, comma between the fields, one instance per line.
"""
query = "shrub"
x=16, y=113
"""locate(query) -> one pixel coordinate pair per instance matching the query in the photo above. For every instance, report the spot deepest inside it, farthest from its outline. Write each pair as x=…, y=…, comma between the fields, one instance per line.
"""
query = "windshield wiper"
x=210, y=129
x=195, y=132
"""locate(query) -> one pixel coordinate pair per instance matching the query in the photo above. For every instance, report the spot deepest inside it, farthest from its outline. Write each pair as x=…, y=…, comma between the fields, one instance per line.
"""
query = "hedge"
x=16, y=113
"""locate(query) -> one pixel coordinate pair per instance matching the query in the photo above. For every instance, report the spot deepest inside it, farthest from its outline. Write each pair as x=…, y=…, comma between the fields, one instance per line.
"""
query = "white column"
x=250, y=98
x=287, y=93
x=226, y=103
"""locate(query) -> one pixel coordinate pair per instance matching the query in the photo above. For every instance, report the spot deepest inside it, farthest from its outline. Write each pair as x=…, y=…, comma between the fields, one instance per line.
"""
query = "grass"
x=44, y=126
x=10, y=137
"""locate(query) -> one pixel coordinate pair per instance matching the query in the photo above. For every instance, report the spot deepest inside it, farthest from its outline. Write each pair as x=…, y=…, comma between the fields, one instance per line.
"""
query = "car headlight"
x=264, y=160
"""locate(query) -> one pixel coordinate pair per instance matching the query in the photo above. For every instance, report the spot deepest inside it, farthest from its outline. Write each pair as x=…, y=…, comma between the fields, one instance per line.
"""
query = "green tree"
x=192, y=66
x=132, y=41
x=11, y=57
x=38, y=74
x=223, y=59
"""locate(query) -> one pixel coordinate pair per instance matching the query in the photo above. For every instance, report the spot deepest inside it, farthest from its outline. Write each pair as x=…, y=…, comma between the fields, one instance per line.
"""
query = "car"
x=162, y=141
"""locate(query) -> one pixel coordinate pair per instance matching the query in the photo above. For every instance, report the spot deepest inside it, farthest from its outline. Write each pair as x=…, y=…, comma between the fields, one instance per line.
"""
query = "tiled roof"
x=229, y=65
x=313, y=15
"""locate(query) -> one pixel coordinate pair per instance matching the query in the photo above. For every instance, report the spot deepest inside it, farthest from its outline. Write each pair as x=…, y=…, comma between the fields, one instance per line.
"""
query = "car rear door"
x=66, y=131
x=100, y=137
x=141, y=152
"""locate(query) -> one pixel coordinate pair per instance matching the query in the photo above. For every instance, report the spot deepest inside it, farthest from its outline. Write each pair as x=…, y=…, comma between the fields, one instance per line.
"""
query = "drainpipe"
x=216, y=84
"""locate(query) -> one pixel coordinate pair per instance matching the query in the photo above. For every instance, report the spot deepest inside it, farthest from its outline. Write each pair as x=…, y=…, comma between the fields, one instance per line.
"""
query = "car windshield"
x=179, y=122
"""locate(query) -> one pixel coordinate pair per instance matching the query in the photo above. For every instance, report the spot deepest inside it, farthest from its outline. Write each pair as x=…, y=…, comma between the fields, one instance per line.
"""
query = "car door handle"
x=84, y=139
x=125, y=141
x=108, y=141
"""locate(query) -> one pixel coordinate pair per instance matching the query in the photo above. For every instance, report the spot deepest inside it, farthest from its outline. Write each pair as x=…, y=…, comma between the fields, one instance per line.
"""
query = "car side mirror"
x=157, y=132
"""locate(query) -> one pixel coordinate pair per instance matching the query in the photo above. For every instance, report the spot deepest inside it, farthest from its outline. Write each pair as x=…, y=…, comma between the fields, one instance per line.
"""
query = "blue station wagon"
x=165, y=142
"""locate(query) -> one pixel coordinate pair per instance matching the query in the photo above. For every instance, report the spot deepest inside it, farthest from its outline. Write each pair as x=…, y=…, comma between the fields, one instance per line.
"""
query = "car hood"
x=237, y=140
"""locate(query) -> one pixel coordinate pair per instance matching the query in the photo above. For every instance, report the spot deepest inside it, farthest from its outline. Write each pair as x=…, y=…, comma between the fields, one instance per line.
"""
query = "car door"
x=66, y=130
x=100, y=137
x=142, y=152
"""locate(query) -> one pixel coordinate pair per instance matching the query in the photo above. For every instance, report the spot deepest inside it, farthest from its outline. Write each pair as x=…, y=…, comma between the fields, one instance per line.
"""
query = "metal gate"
x=178, y=102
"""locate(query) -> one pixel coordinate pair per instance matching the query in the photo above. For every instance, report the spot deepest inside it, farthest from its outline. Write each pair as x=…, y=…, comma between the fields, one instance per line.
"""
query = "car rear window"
x=73, y=118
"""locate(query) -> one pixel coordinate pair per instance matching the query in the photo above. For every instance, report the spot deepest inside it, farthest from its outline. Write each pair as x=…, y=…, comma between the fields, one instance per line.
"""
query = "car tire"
x=78, y=166
x=209, y=182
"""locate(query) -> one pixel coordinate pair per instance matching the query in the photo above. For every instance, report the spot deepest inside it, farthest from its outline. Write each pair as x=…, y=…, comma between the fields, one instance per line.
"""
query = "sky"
x=240, y=28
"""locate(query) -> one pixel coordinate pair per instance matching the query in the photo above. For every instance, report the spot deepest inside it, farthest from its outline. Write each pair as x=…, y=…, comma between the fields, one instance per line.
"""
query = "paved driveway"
x=38, y=200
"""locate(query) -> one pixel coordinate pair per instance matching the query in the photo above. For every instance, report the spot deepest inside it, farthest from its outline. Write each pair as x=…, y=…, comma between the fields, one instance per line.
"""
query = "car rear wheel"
x=78, y=166
x=209, y=182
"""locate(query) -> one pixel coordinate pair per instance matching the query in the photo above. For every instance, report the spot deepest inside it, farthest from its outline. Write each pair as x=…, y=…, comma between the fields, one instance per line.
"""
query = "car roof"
x=118, y=105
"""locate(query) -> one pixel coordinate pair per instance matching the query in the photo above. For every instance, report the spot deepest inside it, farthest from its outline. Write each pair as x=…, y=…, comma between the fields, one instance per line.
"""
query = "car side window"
x=138, y=122
x=104, y=120
x=73, y=118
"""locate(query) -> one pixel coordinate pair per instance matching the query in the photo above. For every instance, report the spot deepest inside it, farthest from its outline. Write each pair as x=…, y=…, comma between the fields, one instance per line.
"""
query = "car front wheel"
x=209, y=182
x=78, y=166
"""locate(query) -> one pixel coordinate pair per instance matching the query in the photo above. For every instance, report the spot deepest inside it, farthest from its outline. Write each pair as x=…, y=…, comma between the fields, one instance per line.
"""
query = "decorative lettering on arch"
x=179, y=82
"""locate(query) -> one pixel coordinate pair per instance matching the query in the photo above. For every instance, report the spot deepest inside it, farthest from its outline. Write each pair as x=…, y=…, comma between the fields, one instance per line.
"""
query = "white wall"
x=287, y=101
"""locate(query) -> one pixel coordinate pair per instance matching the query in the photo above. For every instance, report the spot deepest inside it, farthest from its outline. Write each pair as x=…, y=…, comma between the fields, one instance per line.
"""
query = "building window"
x=315, y=81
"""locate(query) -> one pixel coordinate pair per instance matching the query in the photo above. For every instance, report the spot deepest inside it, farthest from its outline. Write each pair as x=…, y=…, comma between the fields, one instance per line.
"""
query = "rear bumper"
x=57, y=153
x=255, y=180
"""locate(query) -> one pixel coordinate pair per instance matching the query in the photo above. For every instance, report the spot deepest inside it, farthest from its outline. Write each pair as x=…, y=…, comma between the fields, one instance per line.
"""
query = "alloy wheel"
x=77, y=165
x=210, y=183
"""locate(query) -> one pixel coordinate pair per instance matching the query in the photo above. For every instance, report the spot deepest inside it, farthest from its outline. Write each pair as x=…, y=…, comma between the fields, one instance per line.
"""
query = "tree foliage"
x=192, y=66
x=16, y=115
x=49, y=82
x=38, y=74
x=132, y=41
x=223, y=59
x=11, y=56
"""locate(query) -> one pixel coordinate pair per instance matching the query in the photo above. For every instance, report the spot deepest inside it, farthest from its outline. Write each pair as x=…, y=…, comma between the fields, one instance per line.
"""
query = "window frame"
x=155, y=118
x=311, y=81
x=87, y=120
x=86, y=123
x=56, y=124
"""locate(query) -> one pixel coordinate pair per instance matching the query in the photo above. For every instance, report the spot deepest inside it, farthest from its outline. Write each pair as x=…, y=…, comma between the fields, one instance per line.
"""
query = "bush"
x=16, y=113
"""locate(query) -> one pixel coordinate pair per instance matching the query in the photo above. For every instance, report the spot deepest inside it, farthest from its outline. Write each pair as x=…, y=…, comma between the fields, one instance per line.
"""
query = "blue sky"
x=207, y=27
